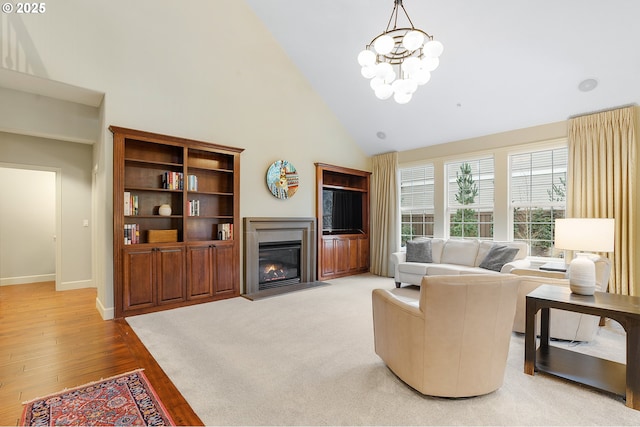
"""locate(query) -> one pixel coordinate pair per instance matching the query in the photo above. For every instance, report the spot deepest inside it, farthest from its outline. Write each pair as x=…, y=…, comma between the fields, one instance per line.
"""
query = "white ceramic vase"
x=582, y=275
x=164, y=210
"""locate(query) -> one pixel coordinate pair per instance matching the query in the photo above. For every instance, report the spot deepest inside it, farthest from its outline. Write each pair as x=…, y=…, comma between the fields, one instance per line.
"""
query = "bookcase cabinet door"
x=170, y=266
x=225, y=279
x=200, y=275
x=327, y=257
x=139, y=278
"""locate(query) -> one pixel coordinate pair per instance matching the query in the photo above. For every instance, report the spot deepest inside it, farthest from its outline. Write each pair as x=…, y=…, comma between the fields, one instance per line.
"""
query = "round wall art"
x=282, y=179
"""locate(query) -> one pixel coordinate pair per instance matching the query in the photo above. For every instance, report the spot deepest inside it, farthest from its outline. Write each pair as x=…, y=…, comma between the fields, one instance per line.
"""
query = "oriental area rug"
x=123, y=400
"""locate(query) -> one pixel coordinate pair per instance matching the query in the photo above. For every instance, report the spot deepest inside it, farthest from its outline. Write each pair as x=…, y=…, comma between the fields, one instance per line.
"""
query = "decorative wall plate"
x=282, y=179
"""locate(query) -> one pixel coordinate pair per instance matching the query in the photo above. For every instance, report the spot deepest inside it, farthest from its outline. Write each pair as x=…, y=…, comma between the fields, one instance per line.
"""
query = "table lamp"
x=584, y=235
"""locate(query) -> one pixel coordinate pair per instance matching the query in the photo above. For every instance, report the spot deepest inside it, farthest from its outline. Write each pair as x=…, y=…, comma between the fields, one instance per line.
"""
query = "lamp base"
x=582, y=275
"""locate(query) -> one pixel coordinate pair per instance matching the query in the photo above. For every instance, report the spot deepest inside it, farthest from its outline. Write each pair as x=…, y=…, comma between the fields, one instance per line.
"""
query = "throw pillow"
x=498, y=256
x=419, y=251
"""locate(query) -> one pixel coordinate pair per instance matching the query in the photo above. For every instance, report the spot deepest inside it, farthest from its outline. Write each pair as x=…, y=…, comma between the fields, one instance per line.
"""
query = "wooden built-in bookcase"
x=342, y=211
x=191, y=255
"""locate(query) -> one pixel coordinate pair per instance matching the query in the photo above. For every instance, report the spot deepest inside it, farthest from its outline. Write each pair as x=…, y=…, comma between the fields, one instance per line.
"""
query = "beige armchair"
x=453, y=341
x=563, y=325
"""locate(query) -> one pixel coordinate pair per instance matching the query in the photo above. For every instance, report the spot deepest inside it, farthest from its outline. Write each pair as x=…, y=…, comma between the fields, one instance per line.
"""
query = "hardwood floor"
x=52, y=340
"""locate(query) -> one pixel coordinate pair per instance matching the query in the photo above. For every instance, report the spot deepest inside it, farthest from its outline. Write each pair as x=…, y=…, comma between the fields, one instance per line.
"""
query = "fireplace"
x=278, y=264
x=278, y=252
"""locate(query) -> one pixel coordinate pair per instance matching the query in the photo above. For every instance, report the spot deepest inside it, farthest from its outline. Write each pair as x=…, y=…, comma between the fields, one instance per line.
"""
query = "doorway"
x=29, y=225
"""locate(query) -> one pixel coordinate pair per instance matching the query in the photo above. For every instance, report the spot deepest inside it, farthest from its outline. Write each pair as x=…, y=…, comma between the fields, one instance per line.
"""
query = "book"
x=127, y=203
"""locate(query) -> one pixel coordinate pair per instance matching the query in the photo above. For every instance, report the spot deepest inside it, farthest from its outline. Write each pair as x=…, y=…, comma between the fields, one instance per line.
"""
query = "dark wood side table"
x=598, y=373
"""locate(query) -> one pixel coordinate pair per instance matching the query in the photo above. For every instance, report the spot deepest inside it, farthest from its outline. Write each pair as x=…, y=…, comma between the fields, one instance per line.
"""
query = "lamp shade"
x=585, y=234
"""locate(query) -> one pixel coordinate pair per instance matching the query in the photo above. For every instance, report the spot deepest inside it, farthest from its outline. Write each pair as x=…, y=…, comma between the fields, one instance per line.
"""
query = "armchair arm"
x=528, y=283
x=519, y=263
x=398, y=328
x=539, y=273
x=397, y=302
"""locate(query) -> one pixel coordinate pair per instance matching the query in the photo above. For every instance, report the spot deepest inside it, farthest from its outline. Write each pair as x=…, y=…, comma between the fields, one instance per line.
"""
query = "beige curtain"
x=601, y=180
x=384, y=212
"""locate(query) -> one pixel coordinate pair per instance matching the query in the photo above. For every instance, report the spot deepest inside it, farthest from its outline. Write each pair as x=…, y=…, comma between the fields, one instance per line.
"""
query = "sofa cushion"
x=485, y=247
x=460, y=252
x=414, y=267
x=419, y=250
x=498, y=256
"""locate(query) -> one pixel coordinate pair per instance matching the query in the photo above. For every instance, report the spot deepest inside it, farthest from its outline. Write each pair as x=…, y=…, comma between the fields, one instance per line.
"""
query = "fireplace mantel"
x=258, y=230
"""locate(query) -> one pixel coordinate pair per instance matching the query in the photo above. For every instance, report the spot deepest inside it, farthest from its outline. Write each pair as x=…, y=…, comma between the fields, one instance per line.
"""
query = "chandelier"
x=399, y=59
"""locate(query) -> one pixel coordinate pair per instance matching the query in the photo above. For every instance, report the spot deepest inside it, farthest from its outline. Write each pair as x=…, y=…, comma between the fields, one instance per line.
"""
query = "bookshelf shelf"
x=191, y=255
x=147, y=163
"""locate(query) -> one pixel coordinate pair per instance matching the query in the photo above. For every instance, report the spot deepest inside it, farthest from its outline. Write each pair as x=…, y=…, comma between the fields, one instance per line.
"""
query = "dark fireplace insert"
x=278, y=264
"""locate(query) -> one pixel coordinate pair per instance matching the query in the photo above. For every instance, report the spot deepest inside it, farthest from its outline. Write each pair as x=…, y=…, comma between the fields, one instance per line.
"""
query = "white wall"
x=202, y=69
x=27, y=226
x=29, y=114
x=74, y=162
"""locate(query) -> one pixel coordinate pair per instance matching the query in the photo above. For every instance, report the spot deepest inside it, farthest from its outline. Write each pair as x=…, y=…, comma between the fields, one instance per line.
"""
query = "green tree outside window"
x=464, y=223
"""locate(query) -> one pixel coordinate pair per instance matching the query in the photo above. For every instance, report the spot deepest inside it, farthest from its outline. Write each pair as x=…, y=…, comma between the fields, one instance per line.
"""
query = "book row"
x=193, y=207
x=175, y=181
x=225, y=231
x=131, y=234
x=130, y=204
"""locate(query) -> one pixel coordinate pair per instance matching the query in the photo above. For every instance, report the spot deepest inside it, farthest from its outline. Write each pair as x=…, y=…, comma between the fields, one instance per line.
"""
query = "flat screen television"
x=341, y=212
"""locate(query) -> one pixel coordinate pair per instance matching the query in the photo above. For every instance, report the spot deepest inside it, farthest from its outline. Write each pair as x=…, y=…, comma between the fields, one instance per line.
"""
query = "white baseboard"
x=6, y=281
x=78, y=284
x=106, y=313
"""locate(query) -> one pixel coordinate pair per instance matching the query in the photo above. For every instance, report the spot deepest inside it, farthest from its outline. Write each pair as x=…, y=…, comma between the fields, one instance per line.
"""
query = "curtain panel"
x=602, y=183
x=385, y=226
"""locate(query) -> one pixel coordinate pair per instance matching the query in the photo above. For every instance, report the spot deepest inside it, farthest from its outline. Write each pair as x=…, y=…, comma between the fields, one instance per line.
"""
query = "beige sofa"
x=454, y=257
x=453, y=341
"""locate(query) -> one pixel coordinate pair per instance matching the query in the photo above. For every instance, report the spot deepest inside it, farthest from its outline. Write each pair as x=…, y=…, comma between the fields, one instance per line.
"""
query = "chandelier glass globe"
x=366, y=57
x=384, y=44
x=384, y=91
x=411, y=65
x=384, y=70
x=433, y=48
x=422, y=77
x=368, y=71
x=376, y=82
x=413, y=40
x=402, y=98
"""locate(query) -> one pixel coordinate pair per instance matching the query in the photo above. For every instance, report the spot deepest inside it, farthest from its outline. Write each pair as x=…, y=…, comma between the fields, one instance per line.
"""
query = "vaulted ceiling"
x=506, y=64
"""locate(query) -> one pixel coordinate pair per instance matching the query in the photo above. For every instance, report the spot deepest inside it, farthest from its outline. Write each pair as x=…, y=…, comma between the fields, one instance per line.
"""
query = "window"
x=470, y=198
x=416, y=202
x=538, y=193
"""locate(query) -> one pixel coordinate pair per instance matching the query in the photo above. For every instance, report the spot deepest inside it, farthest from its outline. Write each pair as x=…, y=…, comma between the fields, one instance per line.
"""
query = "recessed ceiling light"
x=381, y=135
x=588, y=85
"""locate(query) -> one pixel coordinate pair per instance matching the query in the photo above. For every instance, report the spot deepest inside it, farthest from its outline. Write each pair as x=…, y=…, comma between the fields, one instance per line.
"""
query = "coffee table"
x=598, y=373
